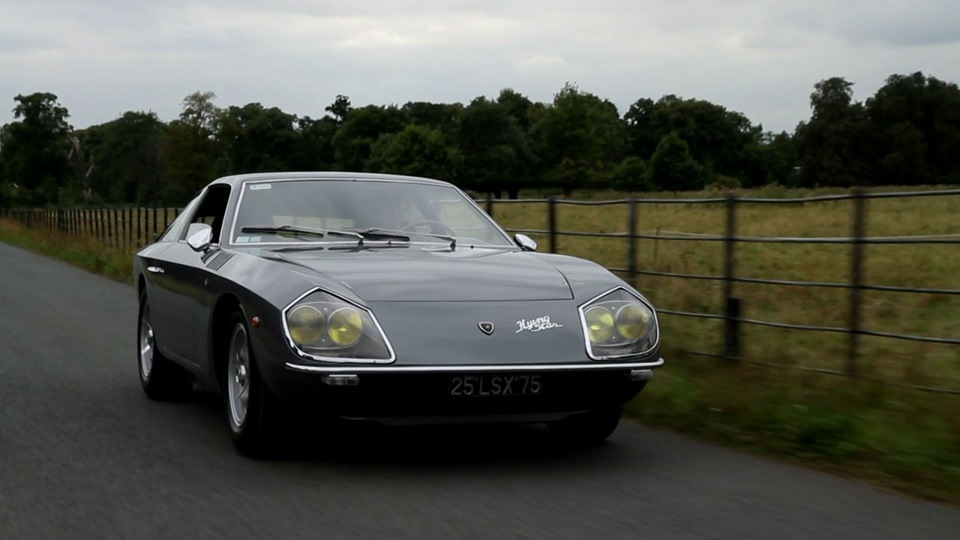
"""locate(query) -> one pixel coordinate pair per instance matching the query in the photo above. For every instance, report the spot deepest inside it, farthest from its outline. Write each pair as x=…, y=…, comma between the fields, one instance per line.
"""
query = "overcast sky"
x=760, y=57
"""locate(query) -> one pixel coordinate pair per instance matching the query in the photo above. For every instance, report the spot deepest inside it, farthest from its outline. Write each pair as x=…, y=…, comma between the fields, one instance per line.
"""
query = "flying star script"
x=536, y=325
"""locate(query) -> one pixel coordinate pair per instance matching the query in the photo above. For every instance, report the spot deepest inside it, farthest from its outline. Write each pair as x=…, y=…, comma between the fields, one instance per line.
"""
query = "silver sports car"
x=382, y=298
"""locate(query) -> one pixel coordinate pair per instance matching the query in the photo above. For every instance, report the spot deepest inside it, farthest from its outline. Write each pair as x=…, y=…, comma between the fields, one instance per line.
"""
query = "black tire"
x=160, y=378
x=255, y=431
x=587, y=429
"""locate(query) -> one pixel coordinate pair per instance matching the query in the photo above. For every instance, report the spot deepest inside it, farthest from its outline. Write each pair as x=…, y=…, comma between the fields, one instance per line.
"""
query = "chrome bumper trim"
x=594, y=366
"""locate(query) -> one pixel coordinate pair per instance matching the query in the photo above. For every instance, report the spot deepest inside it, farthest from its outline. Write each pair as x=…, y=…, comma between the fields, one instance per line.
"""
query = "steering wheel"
x=446, y=230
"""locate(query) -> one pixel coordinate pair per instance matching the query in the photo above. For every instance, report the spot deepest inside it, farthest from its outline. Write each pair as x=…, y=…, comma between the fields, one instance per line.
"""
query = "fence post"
x=632, y=247
x=552, y=222
x=731, y=305
x=489, y=204
x=856, y=278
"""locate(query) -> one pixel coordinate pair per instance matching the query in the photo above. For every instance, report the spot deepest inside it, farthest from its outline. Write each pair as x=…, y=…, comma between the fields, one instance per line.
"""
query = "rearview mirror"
x=526, y=243
x=199, y=236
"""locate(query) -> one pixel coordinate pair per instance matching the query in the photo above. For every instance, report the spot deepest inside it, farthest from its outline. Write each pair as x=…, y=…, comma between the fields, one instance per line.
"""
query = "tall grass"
x=84, y=252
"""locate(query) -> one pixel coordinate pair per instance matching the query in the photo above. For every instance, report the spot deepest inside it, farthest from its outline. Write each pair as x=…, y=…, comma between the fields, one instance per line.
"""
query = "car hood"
x=410, y=274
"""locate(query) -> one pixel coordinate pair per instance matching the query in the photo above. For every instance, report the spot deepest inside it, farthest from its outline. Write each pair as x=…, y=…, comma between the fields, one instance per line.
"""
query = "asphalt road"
x=83, y=454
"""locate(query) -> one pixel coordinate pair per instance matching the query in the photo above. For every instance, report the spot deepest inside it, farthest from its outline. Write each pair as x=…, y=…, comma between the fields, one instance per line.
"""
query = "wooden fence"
x=130, y=228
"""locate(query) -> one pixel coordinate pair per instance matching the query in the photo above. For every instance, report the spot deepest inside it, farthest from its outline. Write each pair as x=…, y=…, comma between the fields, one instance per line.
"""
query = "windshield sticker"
x=536, y=325
x=257, y=187
x=242, y=239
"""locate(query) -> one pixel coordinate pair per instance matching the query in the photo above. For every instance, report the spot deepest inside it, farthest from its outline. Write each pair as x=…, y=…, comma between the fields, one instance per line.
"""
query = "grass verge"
x=86, y=253
x=891, y=437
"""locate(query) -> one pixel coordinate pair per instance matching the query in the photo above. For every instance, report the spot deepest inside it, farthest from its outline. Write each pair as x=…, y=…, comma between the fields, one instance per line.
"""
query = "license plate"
x=495, y=385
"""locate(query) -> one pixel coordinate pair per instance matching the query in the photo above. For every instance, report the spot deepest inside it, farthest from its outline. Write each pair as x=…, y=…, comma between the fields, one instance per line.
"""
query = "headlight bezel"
x=372, y=335
x=599, y=352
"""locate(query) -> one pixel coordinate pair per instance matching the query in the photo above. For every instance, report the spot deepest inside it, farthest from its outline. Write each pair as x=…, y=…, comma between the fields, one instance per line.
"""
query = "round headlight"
x=599, y=323
x=345, y=327
x=632, y=321
x=306, y=325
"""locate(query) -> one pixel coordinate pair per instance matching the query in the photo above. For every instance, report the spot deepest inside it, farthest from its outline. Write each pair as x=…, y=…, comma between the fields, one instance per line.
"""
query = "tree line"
x=907, y=133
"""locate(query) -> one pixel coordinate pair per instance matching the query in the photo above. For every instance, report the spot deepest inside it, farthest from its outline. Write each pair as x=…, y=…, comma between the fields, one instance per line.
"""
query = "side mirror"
x=526, y=243
x=199, y=236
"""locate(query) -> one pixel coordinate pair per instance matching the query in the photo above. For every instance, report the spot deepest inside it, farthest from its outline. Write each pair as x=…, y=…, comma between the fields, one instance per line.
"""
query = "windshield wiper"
x=406, y=235
x=305, y=231
x=372, y=233
x=386, y=234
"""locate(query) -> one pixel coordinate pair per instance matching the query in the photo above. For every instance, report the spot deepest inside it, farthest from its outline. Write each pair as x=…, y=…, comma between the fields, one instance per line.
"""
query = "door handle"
x=155, y=269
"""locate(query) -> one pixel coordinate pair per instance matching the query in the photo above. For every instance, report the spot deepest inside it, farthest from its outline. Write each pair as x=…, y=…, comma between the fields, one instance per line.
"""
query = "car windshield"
x=419, y=212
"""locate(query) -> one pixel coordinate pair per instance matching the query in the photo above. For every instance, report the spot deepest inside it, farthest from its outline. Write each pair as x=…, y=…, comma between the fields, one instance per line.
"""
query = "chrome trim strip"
x=595, y=366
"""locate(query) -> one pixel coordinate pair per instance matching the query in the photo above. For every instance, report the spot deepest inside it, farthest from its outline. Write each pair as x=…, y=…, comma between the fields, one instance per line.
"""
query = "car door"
x=181, y=288
x=161, y=266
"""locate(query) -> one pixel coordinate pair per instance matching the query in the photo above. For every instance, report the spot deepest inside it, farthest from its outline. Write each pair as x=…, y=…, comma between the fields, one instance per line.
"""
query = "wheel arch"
x=219, y=332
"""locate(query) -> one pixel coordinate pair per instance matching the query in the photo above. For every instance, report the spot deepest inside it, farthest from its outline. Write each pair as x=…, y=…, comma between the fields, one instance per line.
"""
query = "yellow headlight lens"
x=632, y=321
x=599, y=324
x=306, y=325
x=345, y=327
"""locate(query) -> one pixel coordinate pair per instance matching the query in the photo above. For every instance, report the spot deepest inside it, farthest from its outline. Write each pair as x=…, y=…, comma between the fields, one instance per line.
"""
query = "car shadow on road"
x=354, y=443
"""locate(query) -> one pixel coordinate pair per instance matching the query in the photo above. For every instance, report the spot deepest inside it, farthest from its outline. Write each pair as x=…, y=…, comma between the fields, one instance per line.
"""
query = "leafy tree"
x=35, y=148
x=120, y=160
x=915, y=122
x=645, y=126
x=579, y=138
x=189, y=150
x=672, y=168
x=832, y=99
x=339, y=109
x=316, y=144
x=496, y=155
x=779, y=157
x=363, y=127
x=417, y=151
x=517, y=106
x=256, y=139
x=835, y=143
x=199, y=112
x=444, y=117
x=632, y=174
x=722, y=141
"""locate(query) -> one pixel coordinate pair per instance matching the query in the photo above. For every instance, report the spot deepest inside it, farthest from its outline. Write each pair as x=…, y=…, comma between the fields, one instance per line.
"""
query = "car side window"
x=210, y=211
x=172, y=232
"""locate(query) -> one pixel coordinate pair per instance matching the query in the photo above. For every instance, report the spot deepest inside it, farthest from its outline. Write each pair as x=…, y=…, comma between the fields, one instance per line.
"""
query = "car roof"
x=234, y=180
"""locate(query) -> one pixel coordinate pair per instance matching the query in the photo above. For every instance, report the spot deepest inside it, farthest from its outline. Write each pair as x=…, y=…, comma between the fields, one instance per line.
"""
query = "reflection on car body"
x=383, y=298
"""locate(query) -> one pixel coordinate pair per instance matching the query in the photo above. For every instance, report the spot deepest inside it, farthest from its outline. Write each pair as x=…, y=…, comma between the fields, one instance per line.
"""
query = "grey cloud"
x=893, y=23
x=759, y=57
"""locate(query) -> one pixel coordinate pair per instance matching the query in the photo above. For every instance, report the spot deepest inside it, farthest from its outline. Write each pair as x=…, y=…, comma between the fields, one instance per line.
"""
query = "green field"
x=868, y=427
x=923, y=266
x=895, y=436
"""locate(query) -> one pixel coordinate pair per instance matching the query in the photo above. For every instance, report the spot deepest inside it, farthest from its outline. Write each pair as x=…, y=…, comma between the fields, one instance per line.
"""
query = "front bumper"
x=421, y=394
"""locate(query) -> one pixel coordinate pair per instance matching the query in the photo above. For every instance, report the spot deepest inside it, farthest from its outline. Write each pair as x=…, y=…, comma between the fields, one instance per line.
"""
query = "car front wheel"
x=250, y=407
x=160, y=378
x=587, y=429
